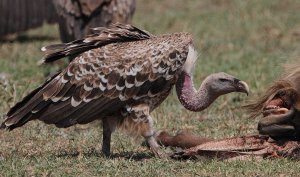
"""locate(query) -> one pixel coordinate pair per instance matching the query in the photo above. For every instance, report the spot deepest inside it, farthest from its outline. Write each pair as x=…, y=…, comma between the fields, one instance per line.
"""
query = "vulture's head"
x=212, y=87
x=279, y=107
x=223, y=83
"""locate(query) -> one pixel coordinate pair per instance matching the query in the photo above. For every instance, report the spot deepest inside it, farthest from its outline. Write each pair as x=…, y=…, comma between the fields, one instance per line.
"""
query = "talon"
x=160, y=153
x=106, y=154
x=155, y=148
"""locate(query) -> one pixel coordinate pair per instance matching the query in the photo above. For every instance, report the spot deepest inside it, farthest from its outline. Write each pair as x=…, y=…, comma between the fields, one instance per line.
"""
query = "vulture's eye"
x=223, y=80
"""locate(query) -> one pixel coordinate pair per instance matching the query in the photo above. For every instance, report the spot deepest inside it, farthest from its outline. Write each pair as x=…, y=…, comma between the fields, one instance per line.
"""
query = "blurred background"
x=250, y=39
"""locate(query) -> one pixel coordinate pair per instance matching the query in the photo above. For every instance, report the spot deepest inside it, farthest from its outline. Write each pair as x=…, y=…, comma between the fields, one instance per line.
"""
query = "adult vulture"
x=120, y=75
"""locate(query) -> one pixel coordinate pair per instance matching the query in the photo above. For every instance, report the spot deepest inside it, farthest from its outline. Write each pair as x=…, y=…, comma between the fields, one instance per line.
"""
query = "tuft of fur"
x=287, y=88
x=191, y=60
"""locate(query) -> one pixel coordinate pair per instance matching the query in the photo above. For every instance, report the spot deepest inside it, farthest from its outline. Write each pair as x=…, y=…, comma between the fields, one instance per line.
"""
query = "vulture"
x=280, y=106
x=75, y=17
x=120, y=75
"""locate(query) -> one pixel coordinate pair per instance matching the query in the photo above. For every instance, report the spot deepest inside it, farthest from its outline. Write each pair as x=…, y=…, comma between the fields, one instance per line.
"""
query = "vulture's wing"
x=20, y=15
x=101, y=81
x=101, y=36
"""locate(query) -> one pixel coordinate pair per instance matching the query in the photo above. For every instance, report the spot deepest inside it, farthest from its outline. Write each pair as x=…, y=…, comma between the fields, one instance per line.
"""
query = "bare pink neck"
x=189, y=97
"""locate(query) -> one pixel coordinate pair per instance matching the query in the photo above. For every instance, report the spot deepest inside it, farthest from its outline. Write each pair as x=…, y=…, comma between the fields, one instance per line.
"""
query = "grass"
x=250, y=39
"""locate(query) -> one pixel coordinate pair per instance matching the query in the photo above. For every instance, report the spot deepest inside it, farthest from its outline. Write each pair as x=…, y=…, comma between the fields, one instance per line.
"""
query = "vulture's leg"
x=109, y=125
x=148, y=134
x=143, y=123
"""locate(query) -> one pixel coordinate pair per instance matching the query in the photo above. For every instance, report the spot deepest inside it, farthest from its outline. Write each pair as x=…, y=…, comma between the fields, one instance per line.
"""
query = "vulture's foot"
x=106, y=152
x=155, y=148
x=106, y=144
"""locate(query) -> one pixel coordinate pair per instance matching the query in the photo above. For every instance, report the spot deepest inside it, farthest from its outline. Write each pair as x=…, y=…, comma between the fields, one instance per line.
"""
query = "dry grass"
x=250, y=39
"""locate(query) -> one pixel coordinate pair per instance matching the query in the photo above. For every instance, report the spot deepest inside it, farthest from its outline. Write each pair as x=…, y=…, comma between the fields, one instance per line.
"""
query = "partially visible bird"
x=121, y=74
x=77, y=17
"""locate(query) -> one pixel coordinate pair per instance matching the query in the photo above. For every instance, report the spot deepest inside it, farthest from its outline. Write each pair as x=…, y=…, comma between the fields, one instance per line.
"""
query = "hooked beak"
x=242, y=87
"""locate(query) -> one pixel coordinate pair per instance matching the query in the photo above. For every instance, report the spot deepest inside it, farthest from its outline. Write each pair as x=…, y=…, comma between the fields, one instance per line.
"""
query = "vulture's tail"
x=100, y=36
x=19, y=114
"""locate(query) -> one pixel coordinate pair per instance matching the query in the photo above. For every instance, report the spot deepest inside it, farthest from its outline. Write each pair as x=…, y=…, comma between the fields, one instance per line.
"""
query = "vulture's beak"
x=242, y=87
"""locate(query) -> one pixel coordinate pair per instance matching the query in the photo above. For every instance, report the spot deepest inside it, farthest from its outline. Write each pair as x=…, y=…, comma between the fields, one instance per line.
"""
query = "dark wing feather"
x=101, y=37
x=30, y=98
x=101, y=81
x=21, y=15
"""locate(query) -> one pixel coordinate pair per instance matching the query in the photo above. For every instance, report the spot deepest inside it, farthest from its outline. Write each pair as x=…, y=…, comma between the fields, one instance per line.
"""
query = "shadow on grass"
x=94, y=153
x=133, y=155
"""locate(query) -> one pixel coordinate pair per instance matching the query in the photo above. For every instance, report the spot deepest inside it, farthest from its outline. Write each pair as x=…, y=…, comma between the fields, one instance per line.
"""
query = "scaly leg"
x=109, y=124
x=141, y=122
x=148, y=134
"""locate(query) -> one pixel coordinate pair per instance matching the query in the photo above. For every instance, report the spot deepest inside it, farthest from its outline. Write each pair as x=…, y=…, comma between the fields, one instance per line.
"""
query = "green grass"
x=250, y=39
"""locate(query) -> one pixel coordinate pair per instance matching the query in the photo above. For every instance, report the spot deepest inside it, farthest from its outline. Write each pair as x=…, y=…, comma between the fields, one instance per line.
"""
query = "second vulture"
x=120, y=75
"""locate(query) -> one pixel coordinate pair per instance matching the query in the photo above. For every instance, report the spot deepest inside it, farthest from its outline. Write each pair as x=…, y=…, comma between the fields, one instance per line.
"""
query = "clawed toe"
x=160, y=153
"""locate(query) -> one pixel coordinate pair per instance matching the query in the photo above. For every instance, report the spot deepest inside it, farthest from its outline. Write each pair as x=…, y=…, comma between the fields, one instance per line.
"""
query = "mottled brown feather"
x=102, y=81
x=27, y=98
